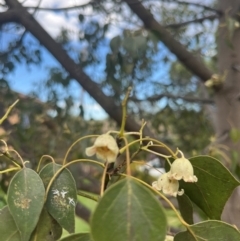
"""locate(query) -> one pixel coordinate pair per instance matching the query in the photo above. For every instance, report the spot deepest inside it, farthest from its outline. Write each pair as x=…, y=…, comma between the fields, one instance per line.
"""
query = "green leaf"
x=214, y=187
x=185, y=208
x=47, y=229
x=3, y=202
x=9, y=65
x=77, y=237
x=59, y=205
x=209, y=230
x=115, y=44
x=8, y=228
x=129, y=212
x=235, y=135
x=25, y=200
x=140, y=43
x=81, y=17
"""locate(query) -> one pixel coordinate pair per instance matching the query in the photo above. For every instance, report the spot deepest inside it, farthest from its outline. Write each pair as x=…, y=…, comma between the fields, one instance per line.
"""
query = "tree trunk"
x=227, y=99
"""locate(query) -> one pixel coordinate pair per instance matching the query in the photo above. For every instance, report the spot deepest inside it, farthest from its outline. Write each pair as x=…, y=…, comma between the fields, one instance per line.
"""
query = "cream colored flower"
x=168, y=186
x=182, y=168
x=169, y=238
x=105, y=148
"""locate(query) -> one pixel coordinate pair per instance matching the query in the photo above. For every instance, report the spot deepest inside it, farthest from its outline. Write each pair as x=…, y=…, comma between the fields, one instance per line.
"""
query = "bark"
x=227, y=100
x=8, y=16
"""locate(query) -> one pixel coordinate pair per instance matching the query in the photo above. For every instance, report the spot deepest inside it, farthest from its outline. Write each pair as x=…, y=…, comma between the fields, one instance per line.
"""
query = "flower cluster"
x=105, y=148
x=181, y=168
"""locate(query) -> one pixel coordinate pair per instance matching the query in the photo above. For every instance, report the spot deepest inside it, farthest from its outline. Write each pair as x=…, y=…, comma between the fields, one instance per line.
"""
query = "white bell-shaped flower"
x=167, y=186
x=105, y=148
x=182, y=168
x=169, y=238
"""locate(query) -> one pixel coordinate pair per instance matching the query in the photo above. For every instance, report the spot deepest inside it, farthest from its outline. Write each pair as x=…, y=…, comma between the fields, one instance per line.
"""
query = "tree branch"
x=191, y=62
x=58, y=9
x=18, y=42
x=198, y=20
x=8, y=16
x=16, y=45
x=75, y=71
x=196, y=5
x=170, y=96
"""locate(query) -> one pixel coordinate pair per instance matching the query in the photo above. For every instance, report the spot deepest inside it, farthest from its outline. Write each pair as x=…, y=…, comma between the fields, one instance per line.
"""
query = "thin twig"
x=8, y=111
x=197, y=20
x=128, y=161
x=170, y=96
x=103, y=183
x=63, y=167
x=6, y=154
x=205, y=7
x=73, y=144
x=58, y=9
x=124, y=112
x=42, y=158
x=83, y=194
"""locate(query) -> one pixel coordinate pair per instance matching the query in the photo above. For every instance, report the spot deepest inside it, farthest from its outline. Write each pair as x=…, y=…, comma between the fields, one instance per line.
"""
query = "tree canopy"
x=180, y=58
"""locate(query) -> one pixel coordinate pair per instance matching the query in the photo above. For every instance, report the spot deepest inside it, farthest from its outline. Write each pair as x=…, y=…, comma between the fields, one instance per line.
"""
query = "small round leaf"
x=8, y=228
x=214, y=187
x=209, y=230
x=25, y=200
x=62, y=195
x=47, y=228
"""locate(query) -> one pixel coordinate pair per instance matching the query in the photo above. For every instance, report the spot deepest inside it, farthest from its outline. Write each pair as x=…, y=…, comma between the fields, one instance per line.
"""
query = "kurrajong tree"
x=199, y=77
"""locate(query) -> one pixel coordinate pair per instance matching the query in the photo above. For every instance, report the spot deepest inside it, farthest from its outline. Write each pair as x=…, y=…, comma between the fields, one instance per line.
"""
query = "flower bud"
x=182, y=168
x=105, y=148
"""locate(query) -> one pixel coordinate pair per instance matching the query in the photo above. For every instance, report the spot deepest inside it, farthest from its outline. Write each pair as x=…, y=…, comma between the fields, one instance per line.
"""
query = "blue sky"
x=24, y=79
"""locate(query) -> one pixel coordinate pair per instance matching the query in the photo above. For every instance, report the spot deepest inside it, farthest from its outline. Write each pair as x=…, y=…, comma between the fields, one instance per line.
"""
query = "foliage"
x=116, y=59
x=164, y=92
x=41, y=203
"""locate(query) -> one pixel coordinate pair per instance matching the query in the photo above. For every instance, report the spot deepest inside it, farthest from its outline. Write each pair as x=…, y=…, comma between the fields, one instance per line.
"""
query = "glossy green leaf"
x=25, y=200
x=77, y=237
x=129, y=212
x=209, y=230
x=8, y=228
x=47, y=228
x=62, y=191
x=186, y=208
x=214, y=187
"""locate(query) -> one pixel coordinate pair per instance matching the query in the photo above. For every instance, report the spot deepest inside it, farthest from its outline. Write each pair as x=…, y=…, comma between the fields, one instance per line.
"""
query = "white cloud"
x=52, y=21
